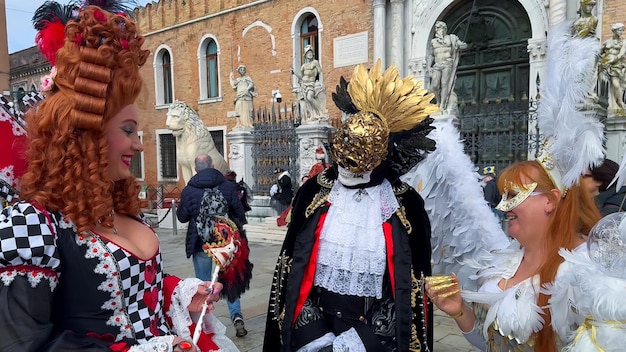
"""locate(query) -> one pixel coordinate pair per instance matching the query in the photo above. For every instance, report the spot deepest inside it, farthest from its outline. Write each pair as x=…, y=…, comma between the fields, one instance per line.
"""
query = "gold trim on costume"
x=282, y=270
x=415, y=344
x=322, y=196
x=401, y=212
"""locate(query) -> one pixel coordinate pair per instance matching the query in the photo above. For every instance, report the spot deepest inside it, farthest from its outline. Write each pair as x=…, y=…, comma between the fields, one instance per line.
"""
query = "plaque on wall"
x=350, y=50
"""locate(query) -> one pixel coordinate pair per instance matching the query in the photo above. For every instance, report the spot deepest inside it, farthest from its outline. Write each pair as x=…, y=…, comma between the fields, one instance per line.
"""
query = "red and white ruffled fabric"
x=13, y=158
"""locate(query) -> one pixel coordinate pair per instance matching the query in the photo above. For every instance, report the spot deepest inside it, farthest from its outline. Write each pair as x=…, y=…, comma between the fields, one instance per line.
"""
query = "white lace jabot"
x=352, y=254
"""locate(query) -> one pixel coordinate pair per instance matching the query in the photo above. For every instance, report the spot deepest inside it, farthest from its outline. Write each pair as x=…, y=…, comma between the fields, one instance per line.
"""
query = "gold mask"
x=360, y=143
x=523, y=192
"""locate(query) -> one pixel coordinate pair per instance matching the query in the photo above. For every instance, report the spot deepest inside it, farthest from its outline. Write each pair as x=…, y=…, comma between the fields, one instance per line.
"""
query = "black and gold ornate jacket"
x=408, y=231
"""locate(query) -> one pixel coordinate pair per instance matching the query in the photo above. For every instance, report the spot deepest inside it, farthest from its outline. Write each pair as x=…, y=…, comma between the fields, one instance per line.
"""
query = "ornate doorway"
x=492, y=79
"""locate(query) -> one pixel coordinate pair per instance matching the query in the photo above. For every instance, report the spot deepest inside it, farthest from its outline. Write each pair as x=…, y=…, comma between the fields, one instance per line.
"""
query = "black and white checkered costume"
x=106, y=292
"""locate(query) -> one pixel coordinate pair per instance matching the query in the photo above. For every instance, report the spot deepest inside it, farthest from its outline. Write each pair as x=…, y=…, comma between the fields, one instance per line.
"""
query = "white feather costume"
x=596, y=304
x=466, y=236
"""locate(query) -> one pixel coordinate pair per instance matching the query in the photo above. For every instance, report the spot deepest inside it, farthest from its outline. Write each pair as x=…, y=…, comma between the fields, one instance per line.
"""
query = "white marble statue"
x=613, y=68
x=311, y=93
x=192, y=139
x=445, y=57
x=246, y=91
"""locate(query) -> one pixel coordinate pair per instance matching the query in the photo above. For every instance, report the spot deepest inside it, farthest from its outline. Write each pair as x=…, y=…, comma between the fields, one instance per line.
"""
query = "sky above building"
x=20, y=31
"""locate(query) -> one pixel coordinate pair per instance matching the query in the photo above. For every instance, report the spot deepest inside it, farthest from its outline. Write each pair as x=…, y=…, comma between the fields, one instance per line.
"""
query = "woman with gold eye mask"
x=507, y=309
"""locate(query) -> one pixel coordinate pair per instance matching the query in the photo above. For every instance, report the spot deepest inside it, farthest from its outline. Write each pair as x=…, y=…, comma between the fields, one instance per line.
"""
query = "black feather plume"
x=407, y=148
x=342, y=98
x=52, y=11
x=113, y=6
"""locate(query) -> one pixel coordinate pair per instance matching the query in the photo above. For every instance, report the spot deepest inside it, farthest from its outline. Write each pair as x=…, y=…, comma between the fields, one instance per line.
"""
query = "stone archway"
x=496, y=64
x=426, y=13
x=496, y=75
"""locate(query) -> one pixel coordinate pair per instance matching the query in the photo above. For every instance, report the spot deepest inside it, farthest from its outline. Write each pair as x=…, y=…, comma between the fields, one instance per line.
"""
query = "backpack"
x=212, y=206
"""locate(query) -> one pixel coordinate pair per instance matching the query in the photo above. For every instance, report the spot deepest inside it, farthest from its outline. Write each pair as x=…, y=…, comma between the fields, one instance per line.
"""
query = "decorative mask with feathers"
x=386, y=121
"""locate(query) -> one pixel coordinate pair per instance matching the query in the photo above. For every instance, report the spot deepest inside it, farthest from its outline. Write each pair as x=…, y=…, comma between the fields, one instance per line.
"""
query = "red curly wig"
x=575, y=214
x=97, y=76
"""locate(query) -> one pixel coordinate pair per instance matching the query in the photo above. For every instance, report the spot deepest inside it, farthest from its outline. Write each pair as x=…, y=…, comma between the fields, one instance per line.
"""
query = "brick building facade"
x=195, y=44
x=266, y=36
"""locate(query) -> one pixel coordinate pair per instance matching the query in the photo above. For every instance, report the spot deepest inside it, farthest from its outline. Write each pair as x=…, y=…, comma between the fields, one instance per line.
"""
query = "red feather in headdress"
x=49, y=21
x=51, y=17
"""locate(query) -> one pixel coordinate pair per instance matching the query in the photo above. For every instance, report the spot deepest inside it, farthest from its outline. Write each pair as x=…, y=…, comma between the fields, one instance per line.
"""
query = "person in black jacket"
x=284, y=191
x=490, y=190
x=607, y=198
x=190, y=200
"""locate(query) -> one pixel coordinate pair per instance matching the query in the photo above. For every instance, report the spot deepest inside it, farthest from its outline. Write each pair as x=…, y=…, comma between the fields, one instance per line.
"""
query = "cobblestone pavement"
x=254, y=302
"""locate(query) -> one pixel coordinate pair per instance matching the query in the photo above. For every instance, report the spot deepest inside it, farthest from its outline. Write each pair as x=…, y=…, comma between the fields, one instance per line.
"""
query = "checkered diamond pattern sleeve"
x=27, y=243
x=29, y=261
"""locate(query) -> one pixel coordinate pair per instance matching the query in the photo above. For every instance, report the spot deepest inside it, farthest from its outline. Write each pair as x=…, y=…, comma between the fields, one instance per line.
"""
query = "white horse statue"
x=192, y=139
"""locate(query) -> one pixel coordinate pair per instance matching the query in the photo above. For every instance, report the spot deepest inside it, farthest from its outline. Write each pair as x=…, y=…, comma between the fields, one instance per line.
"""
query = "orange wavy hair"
x=97, y=75
x=575, y=214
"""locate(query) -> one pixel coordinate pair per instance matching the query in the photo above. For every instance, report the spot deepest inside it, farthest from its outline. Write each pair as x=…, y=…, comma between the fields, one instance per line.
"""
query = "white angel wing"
x=462, y=222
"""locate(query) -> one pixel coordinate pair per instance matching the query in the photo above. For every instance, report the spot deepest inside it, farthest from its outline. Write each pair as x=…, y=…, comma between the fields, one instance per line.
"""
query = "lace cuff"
x=181, y=319
x=155, y=344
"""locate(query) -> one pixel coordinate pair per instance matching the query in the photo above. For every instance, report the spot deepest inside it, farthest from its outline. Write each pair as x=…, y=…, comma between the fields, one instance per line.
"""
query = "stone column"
x=397, y=35
x=537, y=59
x=615, y=138
x=379, y=31
x=240, y=155
x=309, y=138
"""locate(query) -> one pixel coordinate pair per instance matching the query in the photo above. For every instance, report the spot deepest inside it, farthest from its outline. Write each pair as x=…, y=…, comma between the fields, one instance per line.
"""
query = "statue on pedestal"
x=587, y=23
x=613, y=69
x=192, y=139
x=445, y=57
x=246, y=91
x=312, y=93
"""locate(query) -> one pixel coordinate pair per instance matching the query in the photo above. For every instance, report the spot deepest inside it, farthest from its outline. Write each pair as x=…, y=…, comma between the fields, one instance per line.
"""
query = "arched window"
x=166, y=68
x=306, y=29
x=163, y=76
x=309, y=35
x=211, y=69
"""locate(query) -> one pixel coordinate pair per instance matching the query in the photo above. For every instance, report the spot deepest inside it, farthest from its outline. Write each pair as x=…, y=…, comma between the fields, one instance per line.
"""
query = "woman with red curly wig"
x=79, y=268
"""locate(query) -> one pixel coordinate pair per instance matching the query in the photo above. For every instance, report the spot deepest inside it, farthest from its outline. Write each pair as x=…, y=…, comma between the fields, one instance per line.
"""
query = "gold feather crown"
x=387, y=119
x=401, y=102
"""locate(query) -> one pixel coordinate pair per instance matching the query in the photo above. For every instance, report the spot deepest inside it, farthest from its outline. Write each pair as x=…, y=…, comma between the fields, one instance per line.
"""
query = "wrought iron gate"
x=275, y=145
x=499, y=133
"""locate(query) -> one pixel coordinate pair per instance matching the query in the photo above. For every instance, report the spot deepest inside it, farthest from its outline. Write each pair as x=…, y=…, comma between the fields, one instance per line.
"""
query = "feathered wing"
x=570, y=77
x=599, y=311
x=462, y=223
